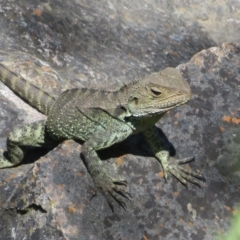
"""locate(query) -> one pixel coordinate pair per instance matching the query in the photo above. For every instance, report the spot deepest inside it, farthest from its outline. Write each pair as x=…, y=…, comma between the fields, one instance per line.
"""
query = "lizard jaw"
x=162, y=108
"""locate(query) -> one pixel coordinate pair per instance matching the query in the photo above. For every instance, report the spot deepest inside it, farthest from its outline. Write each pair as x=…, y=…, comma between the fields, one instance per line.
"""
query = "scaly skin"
x=100, y=119
x=36, y=97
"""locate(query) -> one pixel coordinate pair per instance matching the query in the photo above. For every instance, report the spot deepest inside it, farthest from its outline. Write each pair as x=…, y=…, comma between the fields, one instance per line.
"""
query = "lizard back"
x=32, y=94
x=81, y=112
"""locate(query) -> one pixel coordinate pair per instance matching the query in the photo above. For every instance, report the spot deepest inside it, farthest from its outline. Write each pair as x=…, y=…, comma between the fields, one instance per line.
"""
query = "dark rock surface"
x=64, y=44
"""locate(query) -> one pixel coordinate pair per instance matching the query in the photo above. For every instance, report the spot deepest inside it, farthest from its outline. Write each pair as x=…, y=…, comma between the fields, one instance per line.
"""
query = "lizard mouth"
x=169, y=104
x=174, y=103
x=154, y=110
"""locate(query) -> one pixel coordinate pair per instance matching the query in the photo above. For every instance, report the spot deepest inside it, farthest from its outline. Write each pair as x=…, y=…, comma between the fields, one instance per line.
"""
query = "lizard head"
x=157, y=93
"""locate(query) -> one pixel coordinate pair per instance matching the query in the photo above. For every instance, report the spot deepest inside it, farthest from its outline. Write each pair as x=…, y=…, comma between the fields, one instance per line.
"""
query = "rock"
x=67, y=44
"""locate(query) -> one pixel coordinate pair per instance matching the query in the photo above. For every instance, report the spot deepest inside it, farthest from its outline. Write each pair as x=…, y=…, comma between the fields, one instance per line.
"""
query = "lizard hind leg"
x=33, y=135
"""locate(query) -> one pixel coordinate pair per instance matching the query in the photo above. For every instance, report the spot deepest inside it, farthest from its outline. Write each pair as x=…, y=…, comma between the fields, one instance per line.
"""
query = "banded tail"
x=35, y=96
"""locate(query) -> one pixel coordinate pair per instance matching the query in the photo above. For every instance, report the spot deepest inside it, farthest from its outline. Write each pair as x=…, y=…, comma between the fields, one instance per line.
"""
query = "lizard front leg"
x=169, y=164
x=111, y=188
x=33, y=135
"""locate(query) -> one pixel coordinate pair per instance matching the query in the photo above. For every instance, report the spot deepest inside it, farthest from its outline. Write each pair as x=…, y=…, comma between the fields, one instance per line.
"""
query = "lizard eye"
x=155, y=91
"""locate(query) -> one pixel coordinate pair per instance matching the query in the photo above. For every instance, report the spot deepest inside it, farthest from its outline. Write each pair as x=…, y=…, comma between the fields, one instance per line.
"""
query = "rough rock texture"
x=64, y=44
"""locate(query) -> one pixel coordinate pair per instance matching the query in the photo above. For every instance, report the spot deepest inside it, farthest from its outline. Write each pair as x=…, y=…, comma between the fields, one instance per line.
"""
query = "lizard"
x=100, y=118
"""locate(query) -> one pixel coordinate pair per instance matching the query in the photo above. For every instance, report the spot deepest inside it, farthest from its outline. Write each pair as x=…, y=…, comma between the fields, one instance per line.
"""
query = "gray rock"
x=65, y=44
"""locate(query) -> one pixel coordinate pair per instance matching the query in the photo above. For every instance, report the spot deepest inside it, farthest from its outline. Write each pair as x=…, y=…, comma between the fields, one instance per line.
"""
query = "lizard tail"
x=32, y=94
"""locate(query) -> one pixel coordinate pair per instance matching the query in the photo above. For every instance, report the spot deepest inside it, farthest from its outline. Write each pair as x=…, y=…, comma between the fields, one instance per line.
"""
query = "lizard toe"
x=113, y=190
x=4, y=163
x=120, y=182
x=123, y=192
x=184, y=175
x=186, y=160
x=118, y=199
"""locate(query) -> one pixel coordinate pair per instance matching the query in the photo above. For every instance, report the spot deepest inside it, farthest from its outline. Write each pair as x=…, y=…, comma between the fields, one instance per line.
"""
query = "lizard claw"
x=165, y=174
x=113, y=190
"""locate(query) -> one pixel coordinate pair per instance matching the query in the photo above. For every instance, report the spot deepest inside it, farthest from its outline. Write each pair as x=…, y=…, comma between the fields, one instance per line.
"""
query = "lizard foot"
x=4, y=163
x=113, y=190
x=182, y=174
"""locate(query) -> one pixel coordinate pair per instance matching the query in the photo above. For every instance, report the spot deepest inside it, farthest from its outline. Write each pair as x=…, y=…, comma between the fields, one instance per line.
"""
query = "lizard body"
x=101, y=118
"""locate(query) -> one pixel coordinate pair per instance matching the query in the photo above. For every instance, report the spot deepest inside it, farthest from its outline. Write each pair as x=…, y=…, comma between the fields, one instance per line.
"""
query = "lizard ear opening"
x=134, y=100
x=156, y=92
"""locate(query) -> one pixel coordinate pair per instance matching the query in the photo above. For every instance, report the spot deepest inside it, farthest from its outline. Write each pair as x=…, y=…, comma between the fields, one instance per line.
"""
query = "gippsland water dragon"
x=101, y=118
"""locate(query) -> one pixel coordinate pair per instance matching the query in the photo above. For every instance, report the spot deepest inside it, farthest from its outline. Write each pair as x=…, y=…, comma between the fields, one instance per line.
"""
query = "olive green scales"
x=101, y=118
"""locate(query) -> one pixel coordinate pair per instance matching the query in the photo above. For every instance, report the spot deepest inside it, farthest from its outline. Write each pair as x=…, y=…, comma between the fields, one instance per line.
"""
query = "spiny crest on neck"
x=117, y=88
x=130, y=83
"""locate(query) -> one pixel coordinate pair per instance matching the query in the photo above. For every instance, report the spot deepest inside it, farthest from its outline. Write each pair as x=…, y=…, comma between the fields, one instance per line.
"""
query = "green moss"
x=234, y=231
